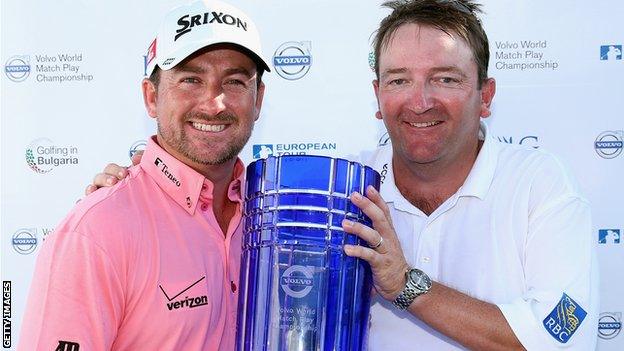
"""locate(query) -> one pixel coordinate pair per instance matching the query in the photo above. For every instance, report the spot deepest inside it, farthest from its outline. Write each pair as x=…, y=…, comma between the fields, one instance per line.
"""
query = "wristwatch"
x=418, y=283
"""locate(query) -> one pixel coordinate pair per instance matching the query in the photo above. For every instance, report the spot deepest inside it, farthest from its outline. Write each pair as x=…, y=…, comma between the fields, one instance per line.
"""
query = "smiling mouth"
x=424, y=124
x=208, y=127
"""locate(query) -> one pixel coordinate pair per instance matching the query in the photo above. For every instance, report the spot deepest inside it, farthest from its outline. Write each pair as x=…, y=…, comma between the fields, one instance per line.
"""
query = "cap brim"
x=188, y=50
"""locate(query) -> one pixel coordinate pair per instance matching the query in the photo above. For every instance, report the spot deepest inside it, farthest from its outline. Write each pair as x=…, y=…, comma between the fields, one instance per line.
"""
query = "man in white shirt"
x=474, y=244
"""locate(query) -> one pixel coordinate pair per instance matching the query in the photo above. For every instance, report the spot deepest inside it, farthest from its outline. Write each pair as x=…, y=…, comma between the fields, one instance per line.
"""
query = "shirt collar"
x=234, y=189
x=482, y=173
x=181, y=182
x=382, y=163
x=476, y=184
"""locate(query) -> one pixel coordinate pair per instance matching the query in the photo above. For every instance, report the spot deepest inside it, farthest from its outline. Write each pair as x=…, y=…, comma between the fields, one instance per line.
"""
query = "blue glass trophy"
x=299, y=290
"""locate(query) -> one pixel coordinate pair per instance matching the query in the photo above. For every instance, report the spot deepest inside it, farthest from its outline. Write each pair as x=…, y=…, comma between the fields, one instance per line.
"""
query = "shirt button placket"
x=427, y=249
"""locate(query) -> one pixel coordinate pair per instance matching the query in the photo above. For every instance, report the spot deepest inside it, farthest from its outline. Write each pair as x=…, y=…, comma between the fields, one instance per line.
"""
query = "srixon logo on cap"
x=188, y=22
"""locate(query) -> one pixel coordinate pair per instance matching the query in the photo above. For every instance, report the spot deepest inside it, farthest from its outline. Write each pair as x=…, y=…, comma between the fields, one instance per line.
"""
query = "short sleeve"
x=75, y=297
x=560, y=307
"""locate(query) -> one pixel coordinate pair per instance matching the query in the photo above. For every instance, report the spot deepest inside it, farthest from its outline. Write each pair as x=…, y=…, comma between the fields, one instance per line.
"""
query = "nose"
x=421, y=98
x=212, y=100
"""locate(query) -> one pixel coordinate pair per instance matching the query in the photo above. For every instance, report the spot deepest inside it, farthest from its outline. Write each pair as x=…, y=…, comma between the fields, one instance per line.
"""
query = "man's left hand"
x=384, y=253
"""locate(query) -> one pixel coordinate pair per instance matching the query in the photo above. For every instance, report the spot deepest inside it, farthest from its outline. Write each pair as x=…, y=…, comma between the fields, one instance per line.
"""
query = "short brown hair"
x=456, y=16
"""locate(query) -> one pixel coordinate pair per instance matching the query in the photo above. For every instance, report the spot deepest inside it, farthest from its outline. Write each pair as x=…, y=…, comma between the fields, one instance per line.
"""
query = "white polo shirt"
x=516, y=234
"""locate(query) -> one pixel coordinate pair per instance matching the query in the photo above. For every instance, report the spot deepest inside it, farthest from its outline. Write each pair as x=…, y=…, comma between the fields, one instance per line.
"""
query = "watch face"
x=420, y=279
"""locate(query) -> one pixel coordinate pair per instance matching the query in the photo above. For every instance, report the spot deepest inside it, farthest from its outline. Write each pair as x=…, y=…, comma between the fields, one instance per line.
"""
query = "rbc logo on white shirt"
x=609, y=236
x=565, y=319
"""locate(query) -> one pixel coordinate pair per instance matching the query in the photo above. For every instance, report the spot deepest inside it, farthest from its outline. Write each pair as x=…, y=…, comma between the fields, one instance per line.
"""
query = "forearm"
x=475, y=324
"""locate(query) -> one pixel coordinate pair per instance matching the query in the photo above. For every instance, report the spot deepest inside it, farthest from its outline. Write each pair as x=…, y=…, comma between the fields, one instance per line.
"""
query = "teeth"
x=208, y=127
x=424, y=124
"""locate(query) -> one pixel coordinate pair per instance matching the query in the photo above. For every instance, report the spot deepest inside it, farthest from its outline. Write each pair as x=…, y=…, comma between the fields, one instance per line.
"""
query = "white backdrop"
x=71, y=103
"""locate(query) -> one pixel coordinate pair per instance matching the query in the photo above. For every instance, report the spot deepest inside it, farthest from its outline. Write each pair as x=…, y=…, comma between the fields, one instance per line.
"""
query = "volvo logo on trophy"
x=297, y=281
x=299, y=290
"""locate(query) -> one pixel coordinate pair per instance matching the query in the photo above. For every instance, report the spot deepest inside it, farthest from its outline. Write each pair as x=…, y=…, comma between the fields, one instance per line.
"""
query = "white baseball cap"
x=192, y=27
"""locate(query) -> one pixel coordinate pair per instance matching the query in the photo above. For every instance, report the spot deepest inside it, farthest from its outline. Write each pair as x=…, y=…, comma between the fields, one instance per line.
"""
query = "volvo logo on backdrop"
x=609, y=325
x=609, y=144
x=138, y=145
x=25, y=241
x=42, y=155
x=49, y=68
x=292, y=60
x=610, y=52
x=17, y=68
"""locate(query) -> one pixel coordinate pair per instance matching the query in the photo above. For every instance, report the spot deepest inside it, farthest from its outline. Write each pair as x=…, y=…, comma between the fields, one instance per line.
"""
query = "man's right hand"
x=112, y=174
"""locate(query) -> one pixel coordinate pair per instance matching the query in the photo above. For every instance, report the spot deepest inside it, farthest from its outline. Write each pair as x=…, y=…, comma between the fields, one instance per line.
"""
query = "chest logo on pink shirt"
x=186, y=302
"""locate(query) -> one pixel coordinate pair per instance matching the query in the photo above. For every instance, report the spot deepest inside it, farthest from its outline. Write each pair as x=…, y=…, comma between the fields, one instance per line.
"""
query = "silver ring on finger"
x=376, y=246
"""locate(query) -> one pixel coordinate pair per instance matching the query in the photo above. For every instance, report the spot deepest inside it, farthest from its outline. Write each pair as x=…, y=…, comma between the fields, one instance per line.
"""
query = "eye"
x=448, y=80
x=191, y=80
x=398, y=81
x=234, y=82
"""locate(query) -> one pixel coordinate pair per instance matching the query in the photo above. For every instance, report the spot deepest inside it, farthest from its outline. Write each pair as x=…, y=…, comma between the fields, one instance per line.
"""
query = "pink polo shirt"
x=142, y=265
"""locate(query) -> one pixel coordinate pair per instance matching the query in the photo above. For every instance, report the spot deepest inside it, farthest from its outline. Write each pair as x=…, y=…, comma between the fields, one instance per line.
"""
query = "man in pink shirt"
x=153, y=262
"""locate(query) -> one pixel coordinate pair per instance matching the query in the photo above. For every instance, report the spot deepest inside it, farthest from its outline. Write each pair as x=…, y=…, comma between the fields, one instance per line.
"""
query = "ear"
x=488, y=89
x=376, y=89
x=259, y=98
x=150, y=97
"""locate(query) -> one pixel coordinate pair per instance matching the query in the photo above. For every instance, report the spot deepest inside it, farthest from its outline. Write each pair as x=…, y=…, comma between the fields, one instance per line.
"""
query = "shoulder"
x=538, y=166
x=108, y=211
x=510, y=155
x=376, y=158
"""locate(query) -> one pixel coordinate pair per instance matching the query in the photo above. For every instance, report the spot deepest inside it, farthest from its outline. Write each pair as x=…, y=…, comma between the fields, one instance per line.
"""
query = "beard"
x=217, y=154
